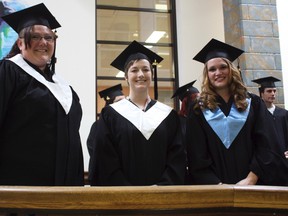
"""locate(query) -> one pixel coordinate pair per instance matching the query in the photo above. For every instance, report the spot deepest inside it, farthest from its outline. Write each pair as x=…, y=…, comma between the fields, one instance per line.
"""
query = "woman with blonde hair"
x=229, y=137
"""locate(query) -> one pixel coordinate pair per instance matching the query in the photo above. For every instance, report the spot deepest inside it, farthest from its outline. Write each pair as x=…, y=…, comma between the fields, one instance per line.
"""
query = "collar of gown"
x=146, y=122
x=271, y=109
x=60, y=88
x=227, y=127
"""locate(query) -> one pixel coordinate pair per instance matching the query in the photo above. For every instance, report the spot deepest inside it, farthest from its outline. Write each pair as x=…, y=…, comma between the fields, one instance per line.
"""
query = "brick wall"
x=252, y=25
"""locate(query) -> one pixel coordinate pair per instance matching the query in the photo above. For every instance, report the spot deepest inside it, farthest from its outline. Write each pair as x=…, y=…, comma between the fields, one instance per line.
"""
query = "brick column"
x=252, y=25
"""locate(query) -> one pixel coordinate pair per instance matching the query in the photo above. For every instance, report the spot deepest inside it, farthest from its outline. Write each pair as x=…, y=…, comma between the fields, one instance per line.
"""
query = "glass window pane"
x=165, y=92
x=151, y=4
x=114, y=25
x=121, y=21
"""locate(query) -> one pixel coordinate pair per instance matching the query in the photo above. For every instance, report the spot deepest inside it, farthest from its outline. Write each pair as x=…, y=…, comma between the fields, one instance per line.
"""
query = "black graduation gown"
x=280, y=117
x=255, y=148
x=39, y=143
x=183, y=120
x=91, y=142
x=91, y=138
x=123, y=156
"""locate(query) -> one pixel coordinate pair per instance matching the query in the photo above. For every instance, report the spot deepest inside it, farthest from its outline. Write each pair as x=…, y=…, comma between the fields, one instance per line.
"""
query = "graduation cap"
x=215, y=49
x=110, y=93
x=35, y=15
x=182, y=91
x=136, y=51
x=266, y=82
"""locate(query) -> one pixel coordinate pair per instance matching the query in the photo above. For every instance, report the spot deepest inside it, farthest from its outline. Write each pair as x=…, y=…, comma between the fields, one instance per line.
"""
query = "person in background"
x=110, y=95
x=40, y=114
x=138, y=138
x=229, y=137
x=187, y=94
x=267, y=91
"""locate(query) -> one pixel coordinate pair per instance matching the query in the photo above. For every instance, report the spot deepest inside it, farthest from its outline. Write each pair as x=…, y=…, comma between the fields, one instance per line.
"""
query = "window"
x=119, y=22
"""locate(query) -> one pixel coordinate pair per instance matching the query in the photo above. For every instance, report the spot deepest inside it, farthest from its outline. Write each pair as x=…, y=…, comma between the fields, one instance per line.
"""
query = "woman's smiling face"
x=41, y=50
x=218, y=73
x=139, y=75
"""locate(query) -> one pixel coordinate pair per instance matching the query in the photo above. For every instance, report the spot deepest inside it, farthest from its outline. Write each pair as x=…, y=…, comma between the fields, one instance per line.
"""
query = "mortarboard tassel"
x=53, y=58
x=155, y=80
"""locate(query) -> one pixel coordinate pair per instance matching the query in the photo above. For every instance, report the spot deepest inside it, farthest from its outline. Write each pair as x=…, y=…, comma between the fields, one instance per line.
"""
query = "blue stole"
x=227, y=127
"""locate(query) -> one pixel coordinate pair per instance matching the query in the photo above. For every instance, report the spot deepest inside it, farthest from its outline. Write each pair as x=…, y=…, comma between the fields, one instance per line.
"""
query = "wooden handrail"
x=151, y=198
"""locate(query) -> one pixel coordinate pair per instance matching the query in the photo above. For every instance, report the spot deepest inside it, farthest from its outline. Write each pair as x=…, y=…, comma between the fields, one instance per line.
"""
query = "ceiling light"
x=120, y=74
x=161, y=6
x=155, y=36
x=163, y=53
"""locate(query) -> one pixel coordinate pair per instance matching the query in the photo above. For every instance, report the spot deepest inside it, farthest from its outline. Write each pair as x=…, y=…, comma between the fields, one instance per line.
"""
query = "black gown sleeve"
x=280, y=118
x=105, y=162
x=91, y=142
x=8, y=80
x=199, y=162
x=174, y=173
x=269, y=162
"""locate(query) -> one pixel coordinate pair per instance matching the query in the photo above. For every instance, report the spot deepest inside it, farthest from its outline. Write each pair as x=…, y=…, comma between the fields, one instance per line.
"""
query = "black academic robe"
x=92, y=138
x=91, y=142
x=280, y=117
x=124, y=156
x=183, y=120
x=39, y=143
x=255, y=148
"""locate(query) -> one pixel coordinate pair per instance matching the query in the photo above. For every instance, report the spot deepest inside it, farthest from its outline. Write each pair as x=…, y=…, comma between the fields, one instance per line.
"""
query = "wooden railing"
x=147, y=200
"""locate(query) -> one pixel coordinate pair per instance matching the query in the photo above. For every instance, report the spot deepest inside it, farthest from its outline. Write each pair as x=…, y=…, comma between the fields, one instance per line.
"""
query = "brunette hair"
x=186, y=102
x=26, y=34
x=129, y=63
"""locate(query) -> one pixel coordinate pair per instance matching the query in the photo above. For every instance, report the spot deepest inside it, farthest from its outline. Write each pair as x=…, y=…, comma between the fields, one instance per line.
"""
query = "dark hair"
x=13, y=51
x=136, y=57
x=186, y=102
x=25, y=33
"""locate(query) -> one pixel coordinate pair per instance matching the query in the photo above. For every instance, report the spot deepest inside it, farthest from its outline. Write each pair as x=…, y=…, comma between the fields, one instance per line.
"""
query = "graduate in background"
x=138, y=138
x=110, y=95
x=267, y=91
x=187, y=94
x=230, y=139
x=40, y=113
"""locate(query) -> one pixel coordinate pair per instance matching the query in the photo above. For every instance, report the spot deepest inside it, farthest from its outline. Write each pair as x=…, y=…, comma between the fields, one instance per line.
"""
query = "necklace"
x=140, y=107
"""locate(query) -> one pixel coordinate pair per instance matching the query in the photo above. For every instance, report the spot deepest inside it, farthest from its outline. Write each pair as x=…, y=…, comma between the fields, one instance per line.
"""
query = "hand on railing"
x=251, y=179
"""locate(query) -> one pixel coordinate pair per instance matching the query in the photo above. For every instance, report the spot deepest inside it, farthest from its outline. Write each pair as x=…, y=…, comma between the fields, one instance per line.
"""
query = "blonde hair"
x=208, y=95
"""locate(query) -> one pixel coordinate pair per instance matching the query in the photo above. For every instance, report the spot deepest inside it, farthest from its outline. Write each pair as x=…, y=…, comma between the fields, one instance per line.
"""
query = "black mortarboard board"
x=35, y=15
x=131, y=53
x=111, y=92
x=266, y=82
x=181, y=91
x=215, y=48
x=135, y=51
